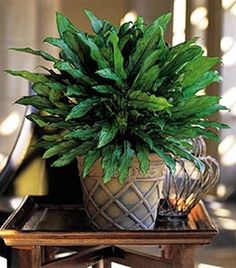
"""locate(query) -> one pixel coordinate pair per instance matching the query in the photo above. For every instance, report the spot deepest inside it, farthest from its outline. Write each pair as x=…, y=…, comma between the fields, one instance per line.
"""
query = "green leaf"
x=76, y=90
x=145, y=137
x=110, y=160
x=84, y=133
x=41, y=89
x=62, y=24
x=186, y=155
x=55, y=85
x=150, y=60
x=146, y=80
x=36, y=101
x=179, y=61
x=107, y=134
x=75, y=73
x=191, y=131
x=194, y=106
x=56, y=111
x=125, y=162
x=56, y=97
x=139, y=23
x=141, y=100
x=195, y=69
x=212, y=124
x=106, y=89
x=108, y=74
x=70, y=155
x=152, y=36
x=124, y=29
x=145, y=44
x=53, y=137
x=37, y=120
x=90, y=159
x=212, y=109
x=83, y=107
x=44, y=144
x=142, y=155
x=33, y=77
x=94, y=50
x=118, y=57
x=156, y=122
x=69, y=55
x=203, y=82
x=96, y=23
x=40, y=53
x=165, y=157
x=163, y=20
x=59, y=149
x=50, y=121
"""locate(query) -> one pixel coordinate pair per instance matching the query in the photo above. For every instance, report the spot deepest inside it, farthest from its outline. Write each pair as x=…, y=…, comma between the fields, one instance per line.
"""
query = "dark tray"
x=41, y=213
x=43, y=221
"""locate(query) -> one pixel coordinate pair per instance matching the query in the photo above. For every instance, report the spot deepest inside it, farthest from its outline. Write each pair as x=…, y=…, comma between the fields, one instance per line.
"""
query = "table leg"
x=182, y=256
x=29, y=257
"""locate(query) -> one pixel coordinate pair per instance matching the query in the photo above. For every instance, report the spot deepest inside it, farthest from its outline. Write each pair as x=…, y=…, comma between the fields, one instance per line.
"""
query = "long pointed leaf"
x=125, y=161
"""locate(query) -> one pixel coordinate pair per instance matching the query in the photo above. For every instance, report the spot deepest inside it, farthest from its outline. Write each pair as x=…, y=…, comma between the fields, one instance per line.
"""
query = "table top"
x=46, y=222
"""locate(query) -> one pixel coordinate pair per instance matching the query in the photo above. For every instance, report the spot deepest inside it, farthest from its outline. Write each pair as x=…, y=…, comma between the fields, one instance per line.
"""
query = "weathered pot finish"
x=132, y=205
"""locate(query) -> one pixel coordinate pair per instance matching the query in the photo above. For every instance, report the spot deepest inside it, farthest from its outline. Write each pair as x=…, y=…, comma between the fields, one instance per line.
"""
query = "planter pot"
x=132, y=205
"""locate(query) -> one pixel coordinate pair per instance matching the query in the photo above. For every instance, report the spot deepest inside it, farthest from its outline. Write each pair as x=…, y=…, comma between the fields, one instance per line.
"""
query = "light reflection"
x=226, y=43
x=226, y=144
x=204, y=265
x=221, y=190
x=229, y=58
x=227, y=150
x=199, y=18
x=3, y=262
x=233, y=10
x=15, y=202
x=215, y=205
x=222, y=212
x=229, y=97
x=229, y=100
x=10, y=124
x=227, y=223
x=130, y=16
x=3, y=161
x=226, y=4
x=179, y=21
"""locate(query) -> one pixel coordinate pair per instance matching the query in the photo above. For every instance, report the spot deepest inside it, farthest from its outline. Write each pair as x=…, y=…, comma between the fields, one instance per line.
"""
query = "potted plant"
x=125, y=104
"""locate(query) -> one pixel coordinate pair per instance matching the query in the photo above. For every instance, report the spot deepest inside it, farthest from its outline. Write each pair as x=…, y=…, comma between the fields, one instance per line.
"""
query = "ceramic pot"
x=128, y=206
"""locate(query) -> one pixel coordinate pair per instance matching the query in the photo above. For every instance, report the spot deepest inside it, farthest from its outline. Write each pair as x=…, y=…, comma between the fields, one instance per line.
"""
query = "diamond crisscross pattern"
x=132, y=205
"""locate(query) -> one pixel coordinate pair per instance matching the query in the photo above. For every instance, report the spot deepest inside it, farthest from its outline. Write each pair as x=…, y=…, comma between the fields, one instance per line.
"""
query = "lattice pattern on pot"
x=129, y=208
x=187, y=186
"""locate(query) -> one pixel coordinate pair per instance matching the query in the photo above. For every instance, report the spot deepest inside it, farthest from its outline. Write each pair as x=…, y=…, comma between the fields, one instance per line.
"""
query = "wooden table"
x=40, y=223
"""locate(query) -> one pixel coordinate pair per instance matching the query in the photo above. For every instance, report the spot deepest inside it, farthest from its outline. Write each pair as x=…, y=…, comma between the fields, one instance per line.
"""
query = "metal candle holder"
x=186, y=187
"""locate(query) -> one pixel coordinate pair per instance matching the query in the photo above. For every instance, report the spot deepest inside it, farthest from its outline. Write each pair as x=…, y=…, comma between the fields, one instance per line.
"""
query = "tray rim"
x=13, y=236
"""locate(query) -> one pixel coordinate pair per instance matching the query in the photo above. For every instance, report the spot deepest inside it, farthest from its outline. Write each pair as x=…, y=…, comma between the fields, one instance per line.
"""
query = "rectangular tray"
x=48, y=220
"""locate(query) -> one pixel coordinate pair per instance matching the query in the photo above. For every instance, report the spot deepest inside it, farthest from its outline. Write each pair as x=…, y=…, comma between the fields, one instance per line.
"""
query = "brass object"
x=199, y=147
x=186, y=187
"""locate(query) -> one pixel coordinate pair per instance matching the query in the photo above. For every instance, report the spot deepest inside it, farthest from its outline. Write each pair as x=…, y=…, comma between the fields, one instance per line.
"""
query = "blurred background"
x=27, y=22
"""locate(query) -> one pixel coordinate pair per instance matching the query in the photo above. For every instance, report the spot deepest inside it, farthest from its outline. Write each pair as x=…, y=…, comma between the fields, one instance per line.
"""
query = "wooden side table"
x=40, y=223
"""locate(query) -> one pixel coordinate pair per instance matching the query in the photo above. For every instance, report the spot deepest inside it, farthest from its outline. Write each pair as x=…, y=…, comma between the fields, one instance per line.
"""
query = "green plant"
x=120, y=93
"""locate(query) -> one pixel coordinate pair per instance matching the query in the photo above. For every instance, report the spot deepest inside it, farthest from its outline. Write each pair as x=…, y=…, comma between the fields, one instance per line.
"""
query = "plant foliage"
x=120, y=93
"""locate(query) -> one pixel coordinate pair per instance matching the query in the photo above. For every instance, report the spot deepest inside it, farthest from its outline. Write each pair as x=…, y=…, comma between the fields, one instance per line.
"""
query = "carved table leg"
x=182, y=256
x=29, y=257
